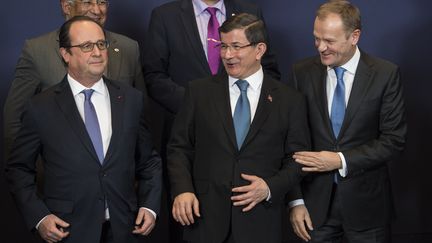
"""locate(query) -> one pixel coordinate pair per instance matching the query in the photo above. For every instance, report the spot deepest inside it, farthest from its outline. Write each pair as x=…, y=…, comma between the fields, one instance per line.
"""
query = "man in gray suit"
x=40, y=65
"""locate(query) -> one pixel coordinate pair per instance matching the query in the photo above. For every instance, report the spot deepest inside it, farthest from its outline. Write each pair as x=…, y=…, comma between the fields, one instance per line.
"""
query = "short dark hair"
x=64, y=37
x=349, y=13
x=254, y=27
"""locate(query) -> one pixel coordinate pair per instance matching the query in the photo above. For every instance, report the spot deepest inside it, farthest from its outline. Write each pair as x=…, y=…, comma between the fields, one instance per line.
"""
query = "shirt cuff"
x=296, y=202
x=40, y=221
x=151, y=211
x=269, y=195
x=343, y=170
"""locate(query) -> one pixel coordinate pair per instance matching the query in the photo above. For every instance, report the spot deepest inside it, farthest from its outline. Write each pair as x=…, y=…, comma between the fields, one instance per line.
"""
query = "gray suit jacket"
x=40, y=66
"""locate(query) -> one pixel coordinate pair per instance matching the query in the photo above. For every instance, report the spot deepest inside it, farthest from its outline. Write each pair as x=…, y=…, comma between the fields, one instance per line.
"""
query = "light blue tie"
x=242, y=115
x=92, y=124
x=338, y=104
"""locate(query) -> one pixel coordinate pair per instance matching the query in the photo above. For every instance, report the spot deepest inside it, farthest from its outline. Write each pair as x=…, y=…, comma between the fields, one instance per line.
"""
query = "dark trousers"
x=334, y=230
x=107, y=234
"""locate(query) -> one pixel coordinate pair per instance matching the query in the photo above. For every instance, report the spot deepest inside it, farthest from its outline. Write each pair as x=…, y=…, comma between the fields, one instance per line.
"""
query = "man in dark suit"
x=229, y=157
x=357, y=121
x=176, y=47
x=40, y=66
x=101, y=181
x=177, y=52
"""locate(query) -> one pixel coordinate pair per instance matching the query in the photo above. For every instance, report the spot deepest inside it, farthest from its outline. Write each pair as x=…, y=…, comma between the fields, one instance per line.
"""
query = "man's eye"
x=87, y=45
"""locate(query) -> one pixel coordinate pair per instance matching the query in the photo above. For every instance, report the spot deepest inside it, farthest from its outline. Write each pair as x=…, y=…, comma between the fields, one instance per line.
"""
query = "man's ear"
x=66, y=8
x=355, y=36
x=65, y=54
x=261, y=49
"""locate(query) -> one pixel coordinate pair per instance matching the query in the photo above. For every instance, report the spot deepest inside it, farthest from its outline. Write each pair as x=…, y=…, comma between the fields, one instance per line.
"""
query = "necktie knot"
x=242, y=85
x=339, y=73
x=212, y=11
x=87, y=93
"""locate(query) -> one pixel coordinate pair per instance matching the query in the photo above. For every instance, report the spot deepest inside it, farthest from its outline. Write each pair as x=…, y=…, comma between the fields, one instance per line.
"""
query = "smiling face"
x=245, y=61
x=334, y=44
x=85, y=67
x=89, y=8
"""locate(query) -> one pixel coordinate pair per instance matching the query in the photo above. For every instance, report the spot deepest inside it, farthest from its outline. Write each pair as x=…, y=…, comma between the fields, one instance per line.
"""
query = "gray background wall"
x=398, y=30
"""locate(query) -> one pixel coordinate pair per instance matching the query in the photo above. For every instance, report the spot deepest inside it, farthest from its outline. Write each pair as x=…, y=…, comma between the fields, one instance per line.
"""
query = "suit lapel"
x=114, y=62
x=362, y=80
x=268, y=98
x=117, y=101
x=221, y=100
x=66, y=102
x=191, y=29
x=319, y=80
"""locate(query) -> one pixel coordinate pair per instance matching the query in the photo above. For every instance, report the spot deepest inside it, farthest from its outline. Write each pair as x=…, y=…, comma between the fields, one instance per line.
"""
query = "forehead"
x=330, y=25
x=236, y=35
x=81, y=31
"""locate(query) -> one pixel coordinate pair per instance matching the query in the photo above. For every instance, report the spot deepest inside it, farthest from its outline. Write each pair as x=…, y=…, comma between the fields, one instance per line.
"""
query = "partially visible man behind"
x=40, y=66
x=357, y=122
x=101, y=182
x=229, y=157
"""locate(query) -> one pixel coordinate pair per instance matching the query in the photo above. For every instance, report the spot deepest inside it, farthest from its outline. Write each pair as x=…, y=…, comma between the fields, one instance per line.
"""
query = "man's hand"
x=299, y=217
x=318, y=161
x=251, y=194
x=144, y=222
x=51, y=229
x=183, y=206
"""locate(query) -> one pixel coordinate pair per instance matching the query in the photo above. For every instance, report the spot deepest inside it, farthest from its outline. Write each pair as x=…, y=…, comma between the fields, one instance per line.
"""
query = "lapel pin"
x=116, y=50
x=233, y=14
x=270, y=98
x=120, y=97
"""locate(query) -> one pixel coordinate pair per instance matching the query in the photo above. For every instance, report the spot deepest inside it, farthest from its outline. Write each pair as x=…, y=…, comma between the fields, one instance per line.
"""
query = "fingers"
x=145, y=223
x=51, y=228
x=299, y=218
x=251, y=194
x=196, y=208
x=184, y=206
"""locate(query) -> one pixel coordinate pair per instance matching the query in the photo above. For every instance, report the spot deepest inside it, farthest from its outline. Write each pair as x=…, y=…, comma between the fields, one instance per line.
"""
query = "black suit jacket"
x=203, y=158
x=174, y=54
x=76, y=185
x=372, y=134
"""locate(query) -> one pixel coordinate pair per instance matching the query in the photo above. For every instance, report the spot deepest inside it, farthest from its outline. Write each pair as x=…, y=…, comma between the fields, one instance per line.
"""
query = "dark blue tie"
x=242, y=115
x=92, y=124
x=338, y=104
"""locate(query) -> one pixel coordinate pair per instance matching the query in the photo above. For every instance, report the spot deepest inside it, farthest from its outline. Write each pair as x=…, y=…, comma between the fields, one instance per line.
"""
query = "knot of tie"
x=339, y=73
x=242, y=85
x=87, y=93
x=211, y=11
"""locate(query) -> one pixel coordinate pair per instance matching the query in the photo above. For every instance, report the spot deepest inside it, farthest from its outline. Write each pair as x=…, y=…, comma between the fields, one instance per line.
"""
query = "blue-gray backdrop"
x=398, y=30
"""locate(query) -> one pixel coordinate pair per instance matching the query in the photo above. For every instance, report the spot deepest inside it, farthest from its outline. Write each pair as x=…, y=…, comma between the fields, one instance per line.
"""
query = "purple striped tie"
x=213, y=49
x=92, y=124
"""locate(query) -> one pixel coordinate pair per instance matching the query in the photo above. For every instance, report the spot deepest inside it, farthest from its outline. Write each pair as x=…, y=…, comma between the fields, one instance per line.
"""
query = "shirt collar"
x=255, y=80
x=200, y=7
x=351, y=65
x=76, y=87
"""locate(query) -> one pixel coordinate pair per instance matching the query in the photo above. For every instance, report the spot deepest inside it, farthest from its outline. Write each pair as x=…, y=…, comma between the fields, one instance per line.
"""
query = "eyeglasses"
x=88, y=46
x=233, y=48
x=88, y=4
